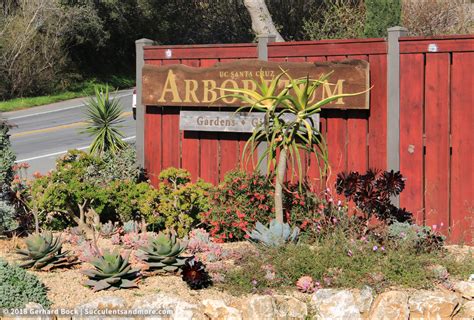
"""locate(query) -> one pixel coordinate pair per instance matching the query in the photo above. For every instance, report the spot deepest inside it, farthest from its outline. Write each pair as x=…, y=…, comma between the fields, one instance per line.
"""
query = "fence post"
x=263, y=41
x=393, y=100
x=140, y=118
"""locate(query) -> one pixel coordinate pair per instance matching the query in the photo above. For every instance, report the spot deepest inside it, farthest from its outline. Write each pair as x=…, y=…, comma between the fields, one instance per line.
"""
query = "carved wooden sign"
x=179, y=85
x=221, y=121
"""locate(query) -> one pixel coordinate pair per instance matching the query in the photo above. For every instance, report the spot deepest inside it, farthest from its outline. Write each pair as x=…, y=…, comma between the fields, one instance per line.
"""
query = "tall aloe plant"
x=103, y=122
x=288, y=137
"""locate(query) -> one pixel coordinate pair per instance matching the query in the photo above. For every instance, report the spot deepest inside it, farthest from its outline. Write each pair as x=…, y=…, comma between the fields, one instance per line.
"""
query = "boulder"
x=364, y=298
x=174, y=307
x=465, y=288
x=258, y=307
x=390, y=305
x=335, y=304
x=89, y=310
x=425, y=304
x=466, y=311
x=34, y=313
x=217, y=309
x=290, y=308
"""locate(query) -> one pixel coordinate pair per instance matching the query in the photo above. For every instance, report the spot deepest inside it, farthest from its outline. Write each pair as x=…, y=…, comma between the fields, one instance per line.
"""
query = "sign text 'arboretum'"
x=179, y=85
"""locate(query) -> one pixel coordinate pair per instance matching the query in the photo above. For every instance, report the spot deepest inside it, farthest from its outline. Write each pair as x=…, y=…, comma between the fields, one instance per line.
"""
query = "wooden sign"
x=179, y=85
x=221, y=121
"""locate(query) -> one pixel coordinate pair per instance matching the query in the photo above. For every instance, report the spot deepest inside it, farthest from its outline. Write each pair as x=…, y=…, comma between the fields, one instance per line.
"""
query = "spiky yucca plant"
x=104, y=115
x=111, y=272
x=162, y=253
x=43, y=252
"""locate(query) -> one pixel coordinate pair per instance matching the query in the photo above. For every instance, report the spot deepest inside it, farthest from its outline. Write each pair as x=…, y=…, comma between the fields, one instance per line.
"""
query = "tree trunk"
x=280, y=178
x=262, y=22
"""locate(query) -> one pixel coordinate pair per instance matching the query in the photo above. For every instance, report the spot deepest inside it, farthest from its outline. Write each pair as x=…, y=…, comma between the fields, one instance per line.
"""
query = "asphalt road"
x=42, y=134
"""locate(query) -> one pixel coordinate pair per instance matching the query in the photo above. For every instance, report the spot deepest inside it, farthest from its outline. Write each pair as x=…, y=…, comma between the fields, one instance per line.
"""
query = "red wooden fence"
x=436, y=113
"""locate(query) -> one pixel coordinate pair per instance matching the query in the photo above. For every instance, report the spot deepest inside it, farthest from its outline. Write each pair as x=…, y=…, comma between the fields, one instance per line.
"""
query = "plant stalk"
x=281, y=172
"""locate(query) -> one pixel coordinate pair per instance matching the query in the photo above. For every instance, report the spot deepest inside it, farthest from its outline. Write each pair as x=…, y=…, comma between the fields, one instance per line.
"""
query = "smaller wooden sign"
x=220, y=121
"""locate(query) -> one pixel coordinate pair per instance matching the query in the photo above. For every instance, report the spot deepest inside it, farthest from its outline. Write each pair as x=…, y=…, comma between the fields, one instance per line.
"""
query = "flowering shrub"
x=244, y=198
x=237, y=204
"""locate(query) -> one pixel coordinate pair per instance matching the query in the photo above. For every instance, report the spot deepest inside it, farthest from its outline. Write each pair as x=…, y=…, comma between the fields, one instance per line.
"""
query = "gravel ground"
x=66, y=289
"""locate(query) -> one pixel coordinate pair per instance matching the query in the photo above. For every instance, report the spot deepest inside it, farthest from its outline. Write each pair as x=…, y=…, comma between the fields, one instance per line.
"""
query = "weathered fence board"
x=436, y=121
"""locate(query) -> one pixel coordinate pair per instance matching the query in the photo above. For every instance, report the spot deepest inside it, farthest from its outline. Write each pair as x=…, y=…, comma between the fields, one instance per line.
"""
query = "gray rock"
x=258, y=307
x=335, y=304
x=364, y=298
x=90, y=309
x=288, y=307
x=176, y=308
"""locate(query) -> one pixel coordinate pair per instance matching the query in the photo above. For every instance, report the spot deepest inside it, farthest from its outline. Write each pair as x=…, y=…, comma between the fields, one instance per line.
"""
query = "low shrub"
x=338, y=261
x=110, y=185
x=7, y=217
x=180, y=201
x=237, y=204
x=244, y=198
x=17, y=288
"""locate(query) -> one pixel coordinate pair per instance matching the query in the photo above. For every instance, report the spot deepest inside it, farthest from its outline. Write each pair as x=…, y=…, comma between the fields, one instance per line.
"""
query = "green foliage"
x=111, y=272
x=277, y=234
x=181, y=202
x=244, y=198
x=110, y=185
x=421, y=238
x=44, y=252
x=7, y=160
x=340, y=19
x=286, y=137
x=17, y=288
x=104, y=115
x=237, y=204
x=338, y=261
x=7, y=217
x=78, y=88
x=163, y=253
x=381, y=15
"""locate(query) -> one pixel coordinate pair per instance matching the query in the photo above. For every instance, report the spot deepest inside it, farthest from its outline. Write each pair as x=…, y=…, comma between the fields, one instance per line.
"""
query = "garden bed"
x=65, y=289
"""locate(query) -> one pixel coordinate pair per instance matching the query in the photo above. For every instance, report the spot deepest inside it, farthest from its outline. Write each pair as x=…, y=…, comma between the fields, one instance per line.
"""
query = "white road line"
x=51, y=111
x=61, y=152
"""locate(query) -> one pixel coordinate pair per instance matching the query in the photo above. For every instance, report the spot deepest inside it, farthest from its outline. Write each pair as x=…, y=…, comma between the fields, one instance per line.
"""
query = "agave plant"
x=43, y=252
x=162, y=253
x=275, y=235
x=288, y=137
x=104, y=115
x=111, y=272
